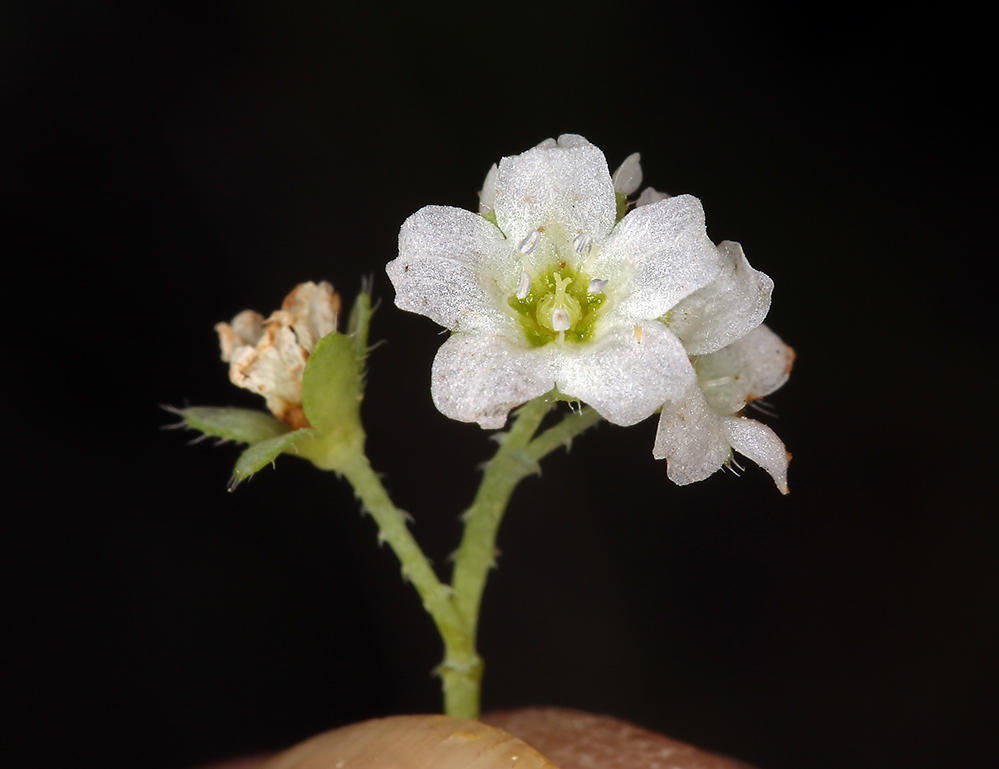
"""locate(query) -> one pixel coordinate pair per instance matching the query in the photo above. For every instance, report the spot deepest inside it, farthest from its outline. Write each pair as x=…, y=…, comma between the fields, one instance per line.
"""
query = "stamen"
x=596, y=286
x=560, y=319
x=582, y=244
x=525, y=285
x=528, y=244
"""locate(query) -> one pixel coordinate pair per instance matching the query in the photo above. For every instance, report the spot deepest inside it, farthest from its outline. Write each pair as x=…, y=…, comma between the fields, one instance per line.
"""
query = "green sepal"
x=359, y=321
x=232, y=424
x=622, y=205
x=556, y=395
x=332, y=388
x=261, y=454
x=331, y=384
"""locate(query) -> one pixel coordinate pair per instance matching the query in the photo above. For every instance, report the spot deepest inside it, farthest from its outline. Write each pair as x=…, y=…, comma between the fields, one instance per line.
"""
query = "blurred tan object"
x=568, y=739
x=575, y=740
x=412, y=742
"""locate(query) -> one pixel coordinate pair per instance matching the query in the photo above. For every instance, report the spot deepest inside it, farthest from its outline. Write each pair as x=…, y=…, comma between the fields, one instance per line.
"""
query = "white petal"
x=628, y=177
x=627, y=374
x=665, y=250
x=487, y=195
x=565, y=185
x=760, y=360
x=733, y=304
x=454, y=267
x=479, y=378
x=726, y=394
x=650, y=196
x=573, y=140
x=691, y=438
x=758, y=442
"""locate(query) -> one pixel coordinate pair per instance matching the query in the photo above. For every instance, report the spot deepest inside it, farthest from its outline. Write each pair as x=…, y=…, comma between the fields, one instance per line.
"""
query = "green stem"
x=455, y=611
x=392, y=528
x=477, y=552
x=516, y=458
x=562, y=433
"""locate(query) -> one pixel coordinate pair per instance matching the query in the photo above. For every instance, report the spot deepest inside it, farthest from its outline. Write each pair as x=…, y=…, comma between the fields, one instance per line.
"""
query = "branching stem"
x=415, y=567
x=455, y=609
x=517, y=457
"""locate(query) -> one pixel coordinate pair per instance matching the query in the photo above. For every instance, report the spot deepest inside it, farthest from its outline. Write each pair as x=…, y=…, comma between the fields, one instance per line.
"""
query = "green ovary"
x=561, y=288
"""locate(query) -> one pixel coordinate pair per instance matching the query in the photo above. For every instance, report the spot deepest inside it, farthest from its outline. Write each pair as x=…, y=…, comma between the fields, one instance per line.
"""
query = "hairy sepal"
x=332, y=389
x=263, y=453
x=232, y=424
x=359, y=321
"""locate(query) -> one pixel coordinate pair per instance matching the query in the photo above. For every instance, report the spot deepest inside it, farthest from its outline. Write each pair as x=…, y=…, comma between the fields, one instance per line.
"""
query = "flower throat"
x=558, y=302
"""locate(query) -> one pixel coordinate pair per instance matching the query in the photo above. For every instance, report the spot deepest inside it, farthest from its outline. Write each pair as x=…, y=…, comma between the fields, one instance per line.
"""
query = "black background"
x=167, y=165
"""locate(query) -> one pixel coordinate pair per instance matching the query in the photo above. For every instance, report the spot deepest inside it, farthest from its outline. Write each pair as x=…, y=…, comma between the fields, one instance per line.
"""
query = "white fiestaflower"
x=557, y=284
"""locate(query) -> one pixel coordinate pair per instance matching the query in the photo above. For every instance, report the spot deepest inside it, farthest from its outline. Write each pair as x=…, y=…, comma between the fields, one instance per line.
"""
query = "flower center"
x=556, y=300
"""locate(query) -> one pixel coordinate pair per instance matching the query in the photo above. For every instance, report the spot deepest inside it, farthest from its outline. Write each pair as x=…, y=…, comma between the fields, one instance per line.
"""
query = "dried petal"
x=269, y=356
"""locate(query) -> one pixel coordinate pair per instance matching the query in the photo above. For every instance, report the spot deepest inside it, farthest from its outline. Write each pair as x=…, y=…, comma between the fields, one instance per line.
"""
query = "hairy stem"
x=516, y=458
x=416, y=568
x=455, y=611
x=562, y=433
x=477, y=552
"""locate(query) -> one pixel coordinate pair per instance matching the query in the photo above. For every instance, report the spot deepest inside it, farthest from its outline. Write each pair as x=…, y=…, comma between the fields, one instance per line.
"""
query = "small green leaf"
x=263, y=453
x=232, y=424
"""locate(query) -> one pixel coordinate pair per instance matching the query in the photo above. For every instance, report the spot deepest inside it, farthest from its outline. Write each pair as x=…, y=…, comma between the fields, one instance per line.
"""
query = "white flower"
x=698, y=431
x=548, y=289
x=269, y=356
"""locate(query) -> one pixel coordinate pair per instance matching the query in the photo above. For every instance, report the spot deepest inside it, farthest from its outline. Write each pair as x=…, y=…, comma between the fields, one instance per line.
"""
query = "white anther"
x=525, y=285
x=560, y=319
x=528, y=244
x=582, y=244
x=596, y=286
